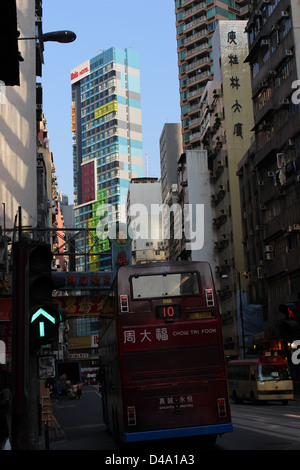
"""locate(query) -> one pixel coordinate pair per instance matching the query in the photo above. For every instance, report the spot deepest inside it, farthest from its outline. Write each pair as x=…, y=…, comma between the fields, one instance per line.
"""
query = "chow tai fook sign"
x=150, y=337
x=80, y=72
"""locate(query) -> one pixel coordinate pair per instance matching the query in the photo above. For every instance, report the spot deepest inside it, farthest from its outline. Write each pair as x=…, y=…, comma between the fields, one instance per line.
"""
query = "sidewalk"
x=51, y=432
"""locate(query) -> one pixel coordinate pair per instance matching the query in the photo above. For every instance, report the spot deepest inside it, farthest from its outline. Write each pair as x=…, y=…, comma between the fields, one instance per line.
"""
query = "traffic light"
x=9, y=52
x=290, y=326
x=291, y=311
x=44, y=316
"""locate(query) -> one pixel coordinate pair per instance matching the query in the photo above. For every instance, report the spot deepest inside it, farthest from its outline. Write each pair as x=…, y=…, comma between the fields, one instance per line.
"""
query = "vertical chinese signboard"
x=237, y=90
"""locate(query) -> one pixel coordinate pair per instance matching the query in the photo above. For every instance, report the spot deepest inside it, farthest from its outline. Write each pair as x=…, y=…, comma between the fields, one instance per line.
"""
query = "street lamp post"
x=241, y=312
x=224, y=276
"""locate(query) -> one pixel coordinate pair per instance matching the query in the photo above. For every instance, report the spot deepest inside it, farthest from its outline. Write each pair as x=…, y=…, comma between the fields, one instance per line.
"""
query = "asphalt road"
x=79, y=426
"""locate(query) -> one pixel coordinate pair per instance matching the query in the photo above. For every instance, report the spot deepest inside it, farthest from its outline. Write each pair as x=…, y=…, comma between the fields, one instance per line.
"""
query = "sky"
x=146, y=26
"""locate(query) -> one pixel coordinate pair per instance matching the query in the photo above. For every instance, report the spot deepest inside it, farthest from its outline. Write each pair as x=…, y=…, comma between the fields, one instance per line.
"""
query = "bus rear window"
x=165, y=285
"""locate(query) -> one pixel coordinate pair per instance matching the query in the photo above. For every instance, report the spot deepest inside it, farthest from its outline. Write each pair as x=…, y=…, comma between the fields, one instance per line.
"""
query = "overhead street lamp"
x=54, y=36
x=64, y=37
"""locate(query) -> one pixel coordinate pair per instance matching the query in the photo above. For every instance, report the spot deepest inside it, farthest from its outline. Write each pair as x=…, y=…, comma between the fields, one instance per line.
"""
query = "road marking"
x=252, y=427
x=293, y=416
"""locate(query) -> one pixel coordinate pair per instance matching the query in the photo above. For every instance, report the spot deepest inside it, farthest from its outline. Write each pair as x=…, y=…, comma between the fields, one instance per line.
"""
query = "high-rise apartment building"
x=107, y=144
x=196, y=22
x=170, y=149
x=269, y=172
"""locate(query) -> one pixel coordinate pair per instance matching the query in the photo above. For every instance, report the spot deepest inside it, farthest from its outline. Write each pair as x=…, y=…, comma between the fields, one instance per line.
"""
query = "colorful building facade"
x=107, y=146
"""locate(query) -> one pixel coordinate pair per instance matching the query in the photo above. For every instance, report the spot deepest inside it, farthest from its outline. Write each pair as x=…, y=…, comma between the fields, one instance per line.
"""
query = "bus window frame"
x=169, y=296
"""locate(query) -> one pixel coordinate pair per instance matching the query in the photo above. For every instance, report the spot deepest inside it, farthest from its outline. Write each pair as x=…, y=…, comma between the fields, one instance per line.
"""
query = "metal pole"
x=20, y=223
x=46, y=434
x=241, y=313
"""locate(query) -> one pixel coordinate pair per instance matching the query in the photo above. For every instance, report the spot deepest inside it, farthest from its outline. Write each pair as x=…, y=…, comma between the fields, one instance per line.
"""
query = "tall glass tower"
x=107, y=146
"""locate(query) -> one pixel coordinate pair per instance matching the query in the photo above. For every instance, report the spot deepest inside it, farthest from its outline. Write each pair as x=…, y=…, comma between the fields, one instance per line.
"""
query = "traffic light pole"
x=20, y=349
x=25, y=412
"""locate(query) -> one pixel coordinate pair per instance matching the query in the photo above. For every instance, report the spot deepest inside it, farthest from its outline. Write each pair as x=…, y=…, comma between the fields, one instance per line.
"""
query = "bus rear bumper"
x=178, y=432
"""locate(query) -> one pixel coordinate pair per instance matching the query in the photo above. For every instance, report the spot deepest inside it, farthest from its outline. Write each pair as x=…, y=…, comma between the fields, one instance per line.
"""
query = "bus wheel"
x=208, y=441
x=116, y=429
x=253, y=399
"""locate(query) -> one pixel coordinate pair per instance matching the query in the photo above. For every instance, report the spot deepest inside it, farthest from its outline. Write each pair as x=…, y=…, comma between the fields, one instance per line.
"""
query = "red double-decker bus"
x=161, y=354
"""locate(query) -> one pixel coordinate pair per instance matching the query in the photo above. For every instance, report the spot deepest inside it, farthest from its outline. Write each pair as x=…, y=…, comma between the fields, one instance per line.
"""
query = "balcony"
x=194, y=23
x=198, y=77
x=192, y=11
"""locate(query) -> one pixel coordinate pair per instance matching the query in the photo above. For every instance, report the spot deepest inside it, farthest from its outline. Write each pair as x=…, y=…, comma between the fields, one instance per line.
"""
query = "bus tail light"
x=131, y=415
x=124, y=303
x=209, y=297
x=222, y=408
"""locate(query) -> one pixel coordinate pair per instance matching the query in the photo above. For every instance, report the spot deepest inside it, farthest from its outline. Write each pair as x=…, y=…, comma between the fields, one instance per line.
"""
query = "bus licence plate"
x=199, y=315
x=168, y=312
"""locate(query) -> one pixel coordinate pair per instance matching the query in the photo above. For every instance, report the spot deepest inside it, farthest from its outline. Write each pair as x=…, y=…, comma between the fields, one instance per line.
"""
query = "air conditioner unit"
x=280, y=159
x=269, y=256
x=260, y=272
x=217, y=92
x=284, y=102
x=270, y=174
x=268, y=249
x=284, y=14
x=288, y=53
x=264, y=42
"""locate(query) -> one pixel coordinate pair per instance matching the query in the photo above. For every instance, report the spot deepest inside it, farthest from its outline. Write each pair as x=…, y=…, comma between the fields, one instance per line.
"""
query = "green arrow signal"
x=43, y=313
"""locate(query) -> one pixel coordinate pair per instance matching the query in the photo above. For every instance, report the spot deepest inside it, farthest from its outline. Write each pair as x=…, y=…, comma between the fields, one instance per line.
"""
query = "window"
x=87, y=326
x=165, y=285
